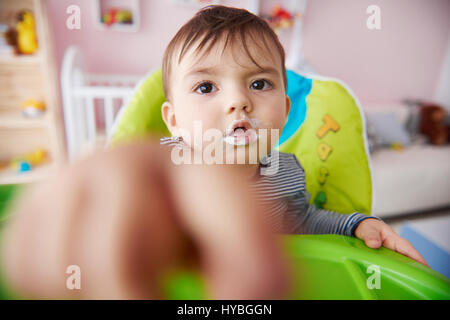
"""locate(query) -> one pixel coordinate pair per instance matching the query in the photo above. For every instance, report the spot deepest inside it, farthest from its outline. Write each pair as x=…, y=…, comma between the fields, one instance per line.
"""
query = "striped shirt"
x=283, y=192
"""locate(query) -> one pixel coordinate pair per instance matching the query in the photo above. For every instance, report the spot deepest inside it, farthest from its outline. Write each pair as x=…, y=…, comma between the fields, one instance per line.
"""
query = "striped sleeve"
x=302, y=217
x=319, y=221
x=170, y=141
x=283, y=194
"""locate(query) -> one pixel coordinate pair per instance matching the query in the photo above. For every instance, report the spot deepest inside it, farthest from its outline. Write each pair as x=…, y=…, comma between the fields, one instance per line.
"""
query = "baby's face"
x=225, y=90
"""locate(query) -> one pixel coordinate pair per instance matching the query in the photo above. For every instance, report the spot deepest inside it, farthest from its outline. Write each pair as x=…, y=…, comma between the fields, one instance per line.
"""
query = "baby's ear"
x=288, y=105
x=168, y=116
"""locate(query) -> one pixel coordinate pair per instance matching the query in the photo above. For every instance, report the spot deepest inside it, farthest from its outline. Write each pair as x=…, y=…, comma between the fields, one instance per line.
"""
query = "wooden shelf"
x=24, y=77
x=120, y=27
x=22, y=59
x=37, y=174
x=16, y=120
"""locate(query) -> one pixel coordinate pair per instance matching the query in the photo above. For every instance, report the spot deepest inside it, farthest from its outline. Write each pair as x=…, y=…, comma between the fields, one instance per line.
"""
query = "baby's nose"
x=232, y=109
x=238, y=105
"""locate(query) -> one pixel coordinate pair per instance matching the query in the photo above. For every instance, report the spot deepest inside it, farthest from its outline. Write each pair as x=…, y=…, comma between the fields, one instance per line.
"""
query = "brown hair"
x=212, y=23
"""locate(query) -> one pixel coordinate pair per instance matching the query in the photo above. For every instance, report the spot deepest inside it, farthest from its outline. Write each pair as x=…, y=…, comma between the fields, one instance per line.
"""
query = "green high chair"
x=325, y=129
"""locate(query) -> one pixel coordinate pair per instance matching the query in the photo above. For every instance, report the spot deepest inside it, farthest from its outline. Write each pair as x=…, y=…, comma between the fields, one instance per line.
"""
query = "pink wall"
x=400, y=60
x=403, y=59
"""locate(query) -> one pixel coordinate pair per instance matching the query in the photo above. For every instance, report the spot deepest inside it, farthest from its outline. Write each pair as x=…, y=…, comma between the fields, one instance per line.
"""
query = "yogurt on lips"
x=241, y=132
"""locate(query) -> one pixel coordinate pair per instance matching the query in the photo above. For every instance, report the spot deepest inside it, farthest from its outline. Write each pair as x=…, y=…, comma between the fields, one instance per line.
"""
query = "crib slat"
x=109, y=114
x=90, y=120
x=80, y=131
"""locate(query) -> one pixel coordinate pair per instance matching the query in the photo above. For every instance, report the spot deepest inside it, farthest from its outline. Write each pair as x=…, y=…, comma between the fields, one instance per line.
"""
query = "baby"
x=225, y=69
x=124, y=217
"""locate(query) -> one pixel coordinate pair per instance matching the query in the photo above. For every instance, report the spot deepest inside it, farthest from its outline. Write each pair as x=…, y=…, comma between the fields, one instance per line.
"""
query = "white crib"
x=91, y=103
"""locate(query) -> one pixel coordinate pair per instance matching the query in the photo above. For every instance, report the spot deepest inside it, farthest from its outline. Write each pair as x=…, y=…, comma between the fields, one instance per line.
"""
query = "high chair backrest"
x=325, y=129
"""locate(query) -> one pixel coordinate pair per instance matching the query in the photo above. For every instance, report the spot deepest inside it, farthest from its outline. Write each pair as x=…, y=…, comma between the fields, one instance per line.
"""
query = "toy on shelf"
x=3, y=164
x=5, y=48
x=280, y=18
x=36, y=157
x=22, y=37
x=397, y=146
x=33, y=108
x=115, y=15
x=28, y=161
x=26, y=34
x=24, y=166
x=432, y=123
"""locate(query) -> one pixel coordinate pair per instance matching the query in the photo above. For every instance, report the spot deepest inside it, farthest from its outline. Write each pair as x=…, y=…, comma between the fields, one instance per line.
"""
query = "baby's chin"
x=248, y=153
x=242, y=138
x=242, y=151
x=245, y=147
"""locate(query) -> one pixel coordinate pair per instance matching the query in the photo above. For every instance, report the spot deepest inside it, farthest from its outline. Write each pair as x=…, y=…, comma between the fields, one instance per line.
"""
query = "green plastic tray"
x=339, y=267
x=323, y=267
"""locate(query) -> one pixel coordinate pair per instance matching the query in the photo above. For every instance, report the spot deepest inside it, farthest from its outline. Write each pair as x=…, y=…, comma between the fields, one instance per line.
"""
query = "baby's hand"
x=376, y=233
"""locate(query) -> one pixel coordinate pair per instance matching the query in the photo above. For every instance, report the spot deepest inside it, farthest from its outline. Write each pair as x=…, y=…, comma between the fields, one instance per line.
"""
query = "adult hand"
x=126, y=216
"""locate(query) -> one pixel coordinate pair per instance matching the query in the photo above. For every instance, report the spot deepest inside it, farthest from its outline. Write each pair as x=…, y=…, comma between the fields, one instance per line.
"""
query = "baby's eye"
x=205, y=87
x=261, y=85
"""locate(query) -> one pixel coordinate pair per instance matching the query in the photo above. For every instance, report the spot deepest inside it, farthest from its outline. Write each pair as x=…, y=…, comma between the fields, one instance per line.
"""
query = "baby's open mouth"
x=240, y=132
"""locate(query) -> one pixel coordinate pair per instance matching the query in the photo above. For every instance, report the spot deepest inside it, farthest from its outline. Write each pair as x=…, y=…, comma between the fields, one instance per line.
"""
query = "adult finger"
x=240, y=255
x=33, y=243
x=403, y=246
x=129, y=233
x=105, y=214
